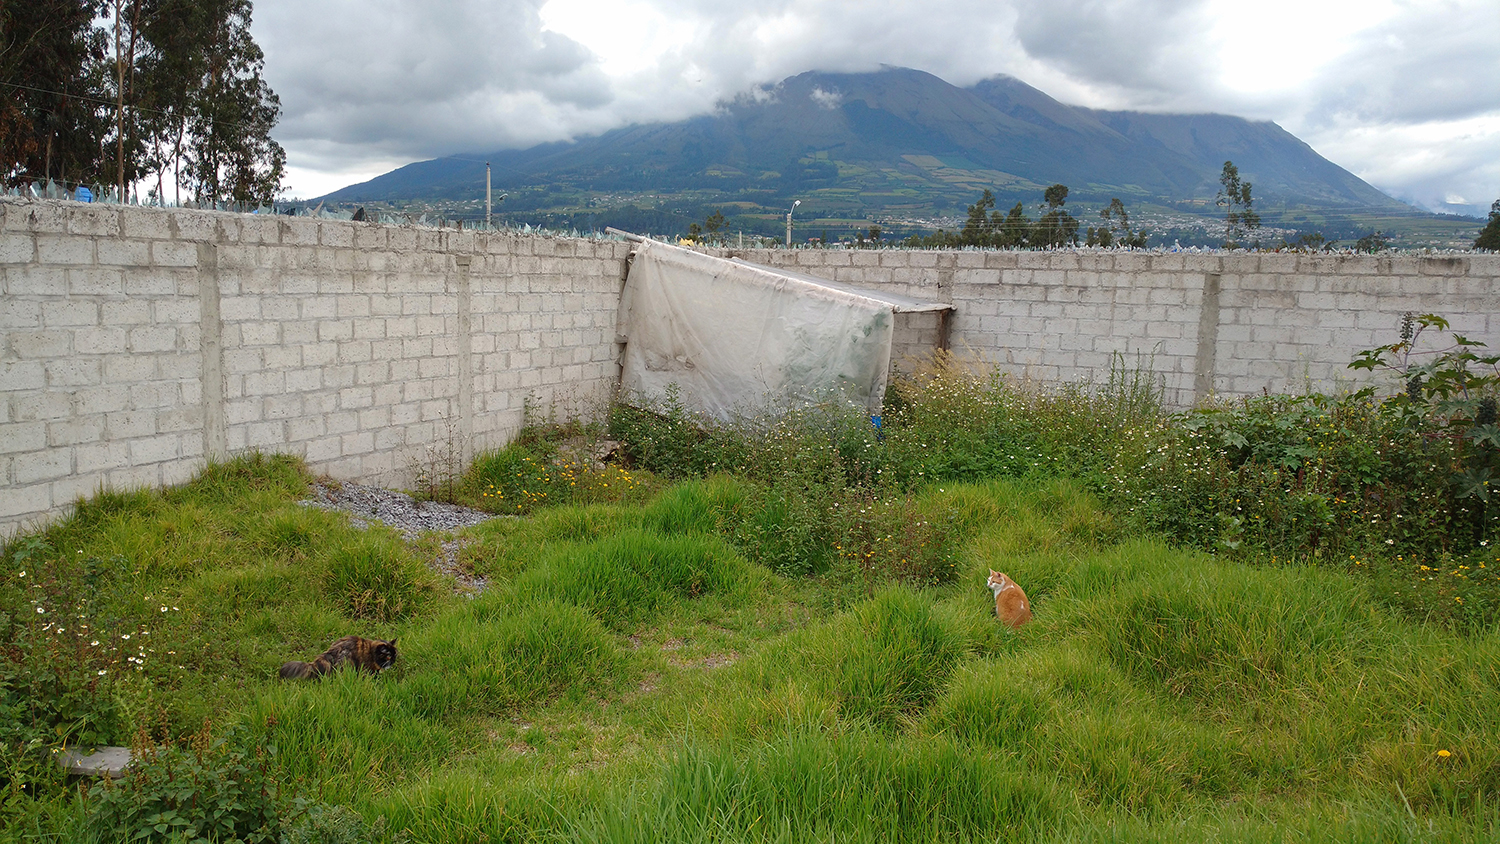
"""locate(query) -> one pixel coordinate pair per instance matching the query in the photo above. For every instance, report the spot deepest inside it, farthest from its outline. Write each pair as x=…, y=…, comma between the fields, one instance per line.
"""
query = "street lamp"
x=789, y=223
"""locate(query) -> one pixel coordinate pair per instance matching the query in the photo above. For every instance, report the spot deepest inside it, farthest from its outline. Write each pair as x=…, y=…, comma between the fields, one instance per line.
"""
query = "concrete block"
x=95, y=282
x=260, y=333
x=69, y=313
x=117, y=252
x=155, y=394
x=17, y=437
x=298, y=231
x=17, y=248
x=74, y=431
x=18, y=503
x=172, y=253
x=157, y=281
x=176, y=311
x=342, y=422
x=100, y=341
x=64, y=250
x=16, y=313
x=157, y=339
x=265, y=435
x=129, y=424
x=158, y=449
x=34, y=281
x=323, y=449
x=98, y=457
x=41, y=344
x=264, y=383
x=124, y=313
x=338, y=234
x=140, y=222
x=239, y=308
x=243, y=411
x=128, y=369
x=183, y=420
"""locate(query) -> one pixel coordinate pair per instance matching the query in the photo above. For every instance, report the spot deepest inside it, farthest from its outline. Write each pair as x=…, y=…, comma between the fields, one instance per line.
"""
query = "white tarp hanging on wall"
x=734, y=336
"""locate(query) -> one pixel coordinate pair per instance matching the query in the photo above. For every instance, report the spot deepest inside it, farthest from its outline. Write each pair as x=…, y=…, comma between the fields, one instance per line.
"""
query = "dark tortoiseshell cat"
x=370, y=655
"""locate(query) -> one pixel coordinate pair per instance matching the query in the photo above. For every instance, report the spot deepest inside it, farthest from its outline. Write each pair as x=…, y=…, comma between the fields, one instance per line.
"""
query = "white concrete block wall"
x=99, y=360
x=136, y=342
x=1279, y=322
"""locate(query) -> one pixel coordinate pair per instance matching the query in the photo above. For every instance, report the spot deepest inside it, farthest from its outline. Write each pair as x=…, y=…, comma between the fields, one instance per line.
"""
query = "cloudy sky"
x=1403, y=93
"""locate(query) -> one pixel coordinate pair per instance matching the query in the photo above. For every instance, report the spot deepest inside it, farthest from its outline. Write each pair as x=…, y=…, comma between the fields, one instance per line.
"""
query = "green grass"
x=640, y=672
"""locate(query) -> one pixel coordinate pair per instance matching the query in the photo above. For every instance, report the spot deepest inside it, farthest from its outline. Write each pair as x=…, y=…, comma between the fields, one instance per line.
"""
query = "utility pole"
x=487, y=202
x=789, y=222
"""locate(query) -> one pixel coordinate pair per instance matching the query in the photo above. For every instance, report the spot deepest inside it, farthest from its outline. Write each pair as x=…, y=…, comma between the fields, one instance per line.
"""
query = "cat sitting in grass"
x=1011, y=606
x=372, y=655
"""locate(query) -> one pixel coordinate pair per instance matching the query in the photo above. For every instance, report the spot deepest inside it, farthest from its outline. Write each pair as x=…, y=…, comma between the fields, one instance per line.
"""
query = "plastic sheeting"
x=735, y=336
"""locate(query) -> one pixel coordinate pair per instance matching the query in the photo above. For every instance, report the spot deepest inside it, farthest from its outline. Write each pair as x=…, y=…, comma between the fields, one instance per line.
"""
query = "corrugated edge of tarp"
x=739, y=338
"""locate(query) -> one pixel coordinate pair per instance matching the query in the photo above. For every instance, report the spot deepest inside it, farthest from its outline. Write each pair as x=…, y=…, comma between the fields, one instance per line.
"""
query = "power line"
x=111, y=104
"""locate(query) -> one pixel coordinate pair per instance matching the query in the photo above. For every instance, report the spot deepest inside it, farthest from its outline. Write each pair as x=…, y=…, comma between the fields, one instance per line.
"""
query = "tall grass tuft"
x=377, y=579
x=630, y=576
x=464, y=663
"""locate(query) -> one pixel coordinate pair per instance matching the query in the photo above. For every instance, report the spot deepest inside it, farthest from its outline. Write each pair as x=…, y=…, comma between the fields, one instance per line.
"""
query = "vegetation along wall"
x=137, y=342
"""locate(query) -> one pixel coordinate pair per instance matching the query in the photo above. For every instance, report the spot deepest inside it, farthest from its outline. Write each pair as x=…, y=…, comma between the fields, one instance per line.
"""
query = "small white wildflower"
x=1390, y=542
x=124, y=635
x=94, y=644
x=40, y=610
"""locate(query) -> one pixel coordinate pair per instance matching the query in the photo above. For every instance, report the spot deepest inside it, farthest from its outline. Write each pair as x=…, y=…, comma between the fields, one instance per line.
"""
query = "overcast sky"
x=1405, y=95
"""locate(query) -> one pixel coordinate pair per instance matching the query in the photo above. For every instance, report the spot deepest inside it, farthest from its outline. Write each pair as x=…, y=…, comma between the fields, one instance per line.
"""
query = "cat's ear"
x=393, y=643
x=993, y=572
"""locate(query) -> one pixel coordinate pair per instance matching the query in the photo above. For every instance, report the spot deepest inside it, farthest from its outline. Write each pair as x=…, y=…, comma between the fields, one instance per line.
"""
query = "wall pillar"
x=211, y=346
x=1208, y=338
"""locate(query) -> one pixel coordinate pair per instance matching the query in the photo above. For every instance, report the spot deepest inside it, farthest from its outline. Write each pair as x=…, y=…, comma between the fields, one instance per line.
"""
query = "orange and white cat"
x=1011, y=605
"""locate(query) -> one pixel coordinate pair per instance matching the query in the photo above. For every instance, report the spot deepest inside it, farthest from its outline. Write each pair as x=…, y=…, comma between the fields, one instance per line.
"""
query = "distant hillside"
x=895, y=143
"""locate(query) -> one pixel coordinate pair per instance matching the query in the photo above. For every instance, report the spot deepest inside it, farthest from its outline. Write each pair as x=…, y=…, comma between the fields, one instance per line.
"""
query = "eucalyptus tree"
x=206, y=111
x=54, y=114
x=1234, y=197
x=1489, y=237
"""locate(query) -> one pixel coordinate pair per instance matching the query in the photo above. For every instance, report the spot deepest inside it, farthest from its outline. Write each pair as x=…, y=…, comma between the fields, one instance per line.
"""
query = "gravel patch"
x=366, y=505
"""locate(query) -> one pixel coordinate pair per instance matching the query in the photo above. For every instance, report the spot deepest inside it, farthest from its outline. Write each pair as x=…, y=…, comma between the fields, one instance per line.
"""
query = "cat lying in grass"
x=372, y=655
x=1011, y=605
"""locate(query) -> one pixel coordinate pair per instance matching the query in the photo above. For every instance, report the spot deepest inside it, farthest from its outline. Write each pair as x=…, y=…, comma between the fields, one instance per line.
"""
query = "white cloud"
x=1402, y=92
x=825, y=99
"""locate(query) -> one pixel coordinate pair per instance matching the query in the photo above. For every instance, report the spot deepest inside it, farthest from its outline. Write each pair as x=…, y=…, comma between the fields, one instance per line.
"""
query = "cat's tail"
x=298, y=671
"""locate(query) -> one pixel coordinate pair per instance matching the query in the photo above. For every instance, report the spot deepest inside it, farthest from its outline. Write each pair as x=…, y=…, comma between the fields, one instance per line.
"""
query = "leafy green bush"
x=339, y=825
x=662, y=435
x=217, y=788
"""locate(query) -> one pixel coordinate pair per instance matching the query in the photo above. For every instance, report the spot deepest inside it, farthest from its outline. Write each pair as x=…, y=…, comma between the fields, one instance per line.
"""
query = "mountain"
x=897, y=144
